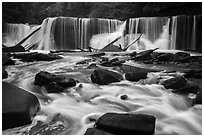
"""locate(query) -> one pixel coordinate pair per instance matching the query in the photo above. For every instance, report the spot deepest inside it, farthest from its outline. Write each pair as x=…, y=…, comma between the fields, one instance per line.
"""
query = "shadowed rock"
x=193, y=74
x=53, y=87
x=4, y=73
x=198, y=99
x=131, y=76
x=94, y=131
x=105, y=77
x=6, y=60
x=175, y=83
x=18, y=106
x=35, y=56
x=127, y=124
x=188, y=88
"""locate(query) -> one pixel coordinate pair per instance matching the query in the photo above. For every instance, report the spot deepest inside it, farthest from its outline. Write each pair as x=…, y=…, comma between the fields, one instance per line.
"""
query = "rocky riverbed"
x=108, y=93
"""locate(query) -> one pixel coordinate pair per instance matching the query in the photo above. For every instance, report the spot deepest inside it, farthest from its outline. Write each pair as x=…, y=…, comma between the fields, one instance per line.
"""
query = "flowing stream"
x=77, y=108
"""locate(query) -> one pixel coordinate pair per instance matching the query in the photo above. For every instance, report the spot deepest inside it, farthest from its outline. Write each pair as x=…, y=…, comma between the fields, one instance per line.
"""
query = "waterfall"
x=186, y=32
x=168, y=33
x=13, y=33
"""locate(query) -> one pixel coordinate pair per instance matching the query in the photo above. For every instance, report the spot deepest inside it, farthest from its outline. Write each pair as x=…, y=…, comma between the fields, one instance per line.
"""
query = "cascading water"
x=186, y=32
x=154, y=30
x=178, y=32
x=14, y=33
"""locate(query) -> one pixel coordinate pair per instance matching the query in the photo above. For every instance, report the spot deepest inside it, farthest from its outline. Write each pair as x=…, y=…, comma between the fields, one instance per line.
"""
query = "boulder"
x=192, y=73
x=111, y=48
x=4, y=73
x=127, y=124
x=43, y=78
x=104, y=76
x=191, y=59
x=35, y=56
x=95, y=131
x=188, y=88
x=165, y=57
x=175, y=83
x=53, y=87
x=135, y=76
x=182, y=54
x=198, y=99
x=17, y=48
x=6, y=60
x=18, y=106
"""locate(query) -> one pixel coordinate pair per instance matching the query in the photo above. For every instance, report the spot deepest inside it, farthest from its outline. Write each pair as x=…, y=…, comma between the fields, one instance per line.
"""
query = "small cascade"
x=154, y=30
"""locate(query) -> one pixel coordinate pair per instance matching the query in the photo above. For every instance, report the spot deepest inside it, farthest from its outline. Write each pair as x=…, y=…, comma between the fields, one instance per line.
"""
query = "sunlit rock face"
x=177, y=32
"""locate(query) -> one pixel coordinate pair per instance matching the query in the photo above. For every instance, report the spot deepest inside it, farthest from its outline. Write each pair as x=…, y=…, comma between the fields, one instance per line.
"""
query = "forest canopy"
x=35, y=12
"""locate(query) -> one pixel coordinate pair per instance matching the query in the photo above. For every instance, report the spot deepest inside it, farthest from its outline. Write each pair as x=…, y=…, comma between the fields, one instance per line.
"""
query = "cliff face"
x=35, y=12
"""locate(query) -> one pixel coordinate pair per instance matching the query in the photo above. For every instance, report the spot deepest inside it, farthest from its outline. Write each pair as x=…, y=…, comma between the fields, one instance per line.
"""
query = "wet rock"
x=123, y=97
x=175, y=83
x=165, y=57
x=104, y=77
x=18, y=106
x=188, y=88
x=127, y=124
x=18, y=48
x=6, y=60
x=198, y=99
x=144, y=55
x=134, y=76
x=35, y=56
x=67, y=83
x=191, y=59
x=133, y=54
x=97, y=54
x=92, y=66
x=193, y=73
x=53, y=87
x=111, y=48
x=4, y=73
x=182, y=54
x=94, y=131
x=43, y=78
x=126, y=68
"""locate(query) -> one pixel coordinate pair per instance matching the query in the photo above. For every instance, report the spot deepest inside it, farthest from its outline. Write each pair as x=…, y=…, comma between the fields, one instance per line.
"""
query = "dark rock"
x=193, y=73
x=188, y=88
x=144, y=55
x=18, y=106
x=4, y=73
x=183, y=54
x=175, y=83
x=135, y=76
x=123, y=97
x=43, y=78
x=136, y=69
x=53, y=87
x=127, y=124
x=35, y=56
x=97, y=54
x=94, y=131
x=191, y=59
x=133, y=54
x=6, y=60
x=67, y=83
x=165, y=57
x=17, y=48
x=104, y=77
x=111, y=48
x=92, y=66
x=198, y=99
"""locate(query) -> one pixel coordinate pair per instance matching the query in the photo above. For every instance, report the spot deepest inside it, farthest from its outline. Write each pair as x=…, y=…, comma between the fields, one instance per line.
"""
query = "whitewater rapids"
x=77, y=108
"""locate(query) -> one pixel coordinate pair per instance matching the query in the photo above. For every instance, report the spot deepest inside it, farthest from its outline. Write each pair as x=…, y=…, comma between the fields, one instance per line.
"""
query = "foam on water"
x=79, y=107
